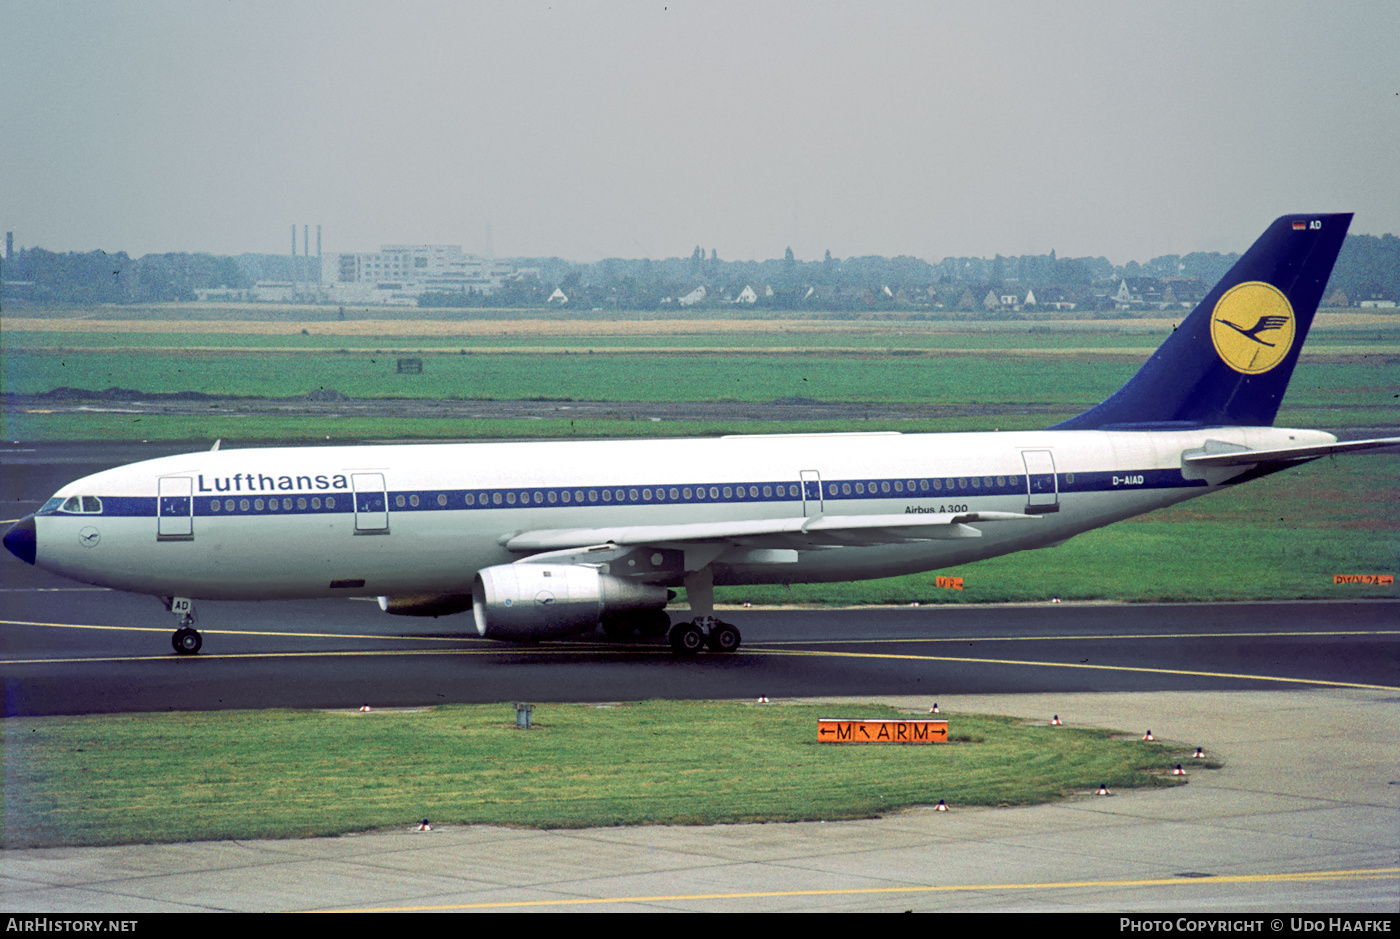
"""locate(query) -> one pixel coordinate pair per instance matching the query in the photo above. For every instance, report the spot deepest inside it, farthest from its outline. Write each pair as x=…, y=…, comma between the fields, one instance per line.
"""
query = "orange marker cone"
x=1178, y=771
x=1200, y=754
x=763, y=699
x=1103, y=790
x=1148, y=736
x=941, y=806
x=425, y=826
x=934, y=709
x=364, y=707
x=1055, y=721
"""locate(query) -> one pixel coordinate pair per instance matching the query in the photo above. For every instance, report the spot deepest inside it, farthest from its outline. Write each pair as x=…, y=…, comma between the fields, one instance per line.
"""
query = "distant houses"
x=1372, y=296
x=444, y=276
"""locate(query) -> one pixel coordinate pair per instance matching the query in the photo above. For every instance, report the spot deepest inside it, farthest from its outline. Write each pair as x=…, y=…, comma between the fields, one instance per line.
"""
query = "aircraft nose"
x=21, y=541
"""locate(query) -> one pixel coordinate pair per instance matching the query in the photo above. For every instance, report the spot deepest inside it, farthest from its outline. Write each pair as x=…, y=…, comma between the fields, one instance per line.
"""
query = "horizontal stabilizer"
x=1286, y=454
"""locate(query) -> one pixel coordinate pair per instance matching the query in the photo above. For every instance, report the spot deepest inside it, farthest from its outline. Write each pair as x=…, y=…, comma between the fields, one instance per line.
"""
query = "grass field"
x=1073, y=380
x=274, y=774
x=1349, y=363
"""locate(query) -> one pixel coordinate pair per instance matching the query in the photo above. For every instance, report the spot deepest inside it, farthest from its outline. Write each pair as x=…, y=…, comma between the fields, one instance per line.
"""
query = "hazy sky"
x=597, y=129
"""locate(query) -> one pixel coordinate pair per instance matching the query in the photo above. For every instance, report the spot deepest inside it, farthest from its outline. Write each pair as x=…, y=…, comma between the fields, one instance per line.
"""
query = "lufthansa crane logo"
x=1252, y=327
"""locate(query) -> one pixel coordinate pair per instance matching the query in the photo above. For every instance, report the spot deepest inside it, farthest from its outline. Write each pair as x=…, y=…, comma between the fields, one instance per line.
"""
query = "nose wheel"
x=187, y=640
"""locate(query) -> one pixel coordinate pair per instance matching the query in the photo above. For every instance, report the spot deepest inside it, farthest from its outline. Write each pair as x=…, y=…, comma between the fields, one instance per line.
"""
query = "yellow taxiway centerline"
x=1107, y=668
x=1235, y=635
x=1305, y=877
x=593, y=648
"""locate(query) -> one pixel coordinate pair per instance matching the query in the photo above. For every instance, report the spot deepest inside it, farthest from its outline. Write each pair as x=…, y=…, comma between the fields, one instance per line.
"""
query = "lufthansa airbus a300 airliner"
x=546, y=540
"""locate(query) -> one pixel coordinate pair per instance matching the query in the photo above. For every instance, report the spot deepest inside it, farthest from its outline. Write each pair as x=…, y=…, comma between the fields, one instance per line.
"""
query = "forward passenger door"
x=371, y=503
x=1042, y=487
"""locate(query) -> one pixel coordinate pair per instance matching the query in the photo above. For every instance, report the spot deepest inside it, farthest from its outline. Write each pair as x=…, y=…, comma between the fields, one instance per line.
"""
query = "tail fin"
x=1229, y=362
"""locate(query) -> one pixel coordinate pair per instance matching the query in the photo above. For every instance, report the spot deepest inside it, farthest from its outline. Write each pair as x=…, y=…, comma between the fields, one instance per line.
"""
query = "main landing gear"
x=705, y=630
x=687, y=638
x=186, y=639
x=702, y=632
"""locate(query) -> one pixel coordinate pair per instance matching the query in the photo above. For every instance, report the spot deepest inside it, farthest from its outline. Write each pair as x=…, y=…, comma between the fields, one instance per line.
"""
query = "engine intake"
x=543, y=601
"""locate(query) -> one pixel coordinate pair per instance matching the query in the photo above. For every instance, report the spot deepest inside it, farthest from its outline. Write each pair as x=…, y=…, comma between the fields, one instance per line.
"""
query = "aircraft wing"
x=820, y=531
x=1286, y=454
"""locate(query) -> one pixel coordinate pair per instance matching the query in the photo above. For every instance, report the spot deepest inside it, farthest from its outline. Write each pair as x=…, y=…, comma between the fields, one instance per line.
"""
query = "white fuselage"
x=423, y=519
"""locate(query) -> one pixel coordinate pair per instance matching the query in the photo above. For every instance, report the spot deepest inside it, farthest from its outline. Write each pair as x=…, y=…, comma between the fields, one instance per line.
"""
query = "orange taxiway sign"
x=834, y=730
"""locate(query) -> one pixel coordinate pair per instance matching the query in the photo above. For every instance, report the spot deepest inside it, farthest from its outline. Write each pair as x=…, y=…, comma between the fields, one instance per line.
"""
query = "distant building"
x=751, y=294
x=1148, y=293
x=272, y=291
x=399, y=274
x=1372, y=296
x=694, y=297
x=1051, y=298
x=226, y=294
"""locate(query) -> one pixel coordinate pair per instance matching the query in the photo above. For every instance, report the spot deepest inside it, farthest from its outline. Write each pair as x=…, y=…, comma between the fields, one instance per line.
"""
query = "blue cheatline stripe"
x=833, y=490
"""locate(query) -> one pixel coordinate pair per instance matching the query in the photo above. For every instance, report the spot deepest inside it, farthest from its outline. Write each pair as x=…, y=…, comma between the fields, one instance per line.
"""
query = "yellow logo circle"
x=1252, y=327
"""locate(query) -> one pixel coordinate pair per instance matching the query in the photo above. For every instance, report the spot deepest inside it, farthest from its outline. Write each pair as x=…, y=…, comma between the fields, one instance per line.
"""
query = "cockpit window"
x=80, y=505
x=50, y=506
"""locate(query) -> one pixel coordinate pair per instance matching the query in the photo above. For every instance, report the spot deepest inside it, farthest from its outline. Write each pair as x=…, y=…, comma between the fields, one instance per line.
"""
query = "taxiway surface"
x=75, y=651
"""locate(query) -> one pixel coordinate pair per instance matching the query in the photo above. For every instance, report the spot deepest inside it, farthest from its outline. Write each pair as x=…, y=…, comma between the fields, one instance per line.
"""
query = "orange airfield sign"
x=834, y=730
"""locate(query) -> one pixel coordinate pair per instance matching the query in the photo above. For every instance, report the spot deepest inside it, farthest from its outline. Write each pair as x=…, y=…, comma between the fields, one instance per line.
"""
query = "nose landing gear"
x=186, y=640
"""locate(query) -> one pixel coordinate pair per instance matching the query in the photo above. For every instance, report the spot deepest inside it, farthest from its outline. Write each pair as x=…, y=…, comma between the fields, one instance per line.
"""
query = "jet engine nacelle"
x=546, y=601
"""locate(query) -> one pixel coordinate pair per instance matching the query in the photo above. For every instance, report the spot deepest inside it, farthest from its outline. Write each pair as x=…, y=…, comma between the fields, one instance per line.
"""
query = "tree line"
x=1368, y=268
